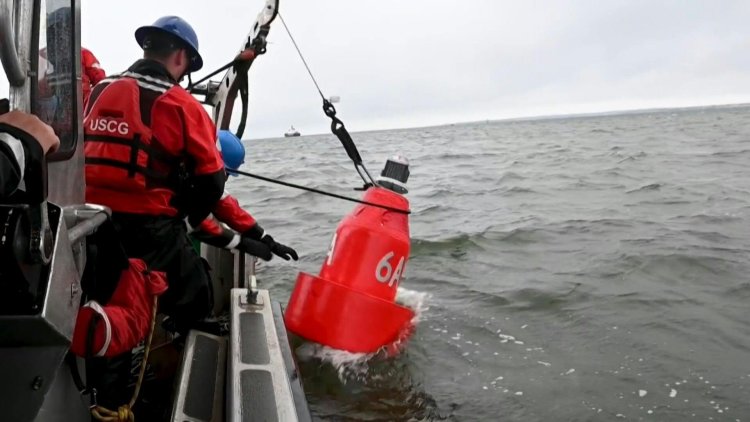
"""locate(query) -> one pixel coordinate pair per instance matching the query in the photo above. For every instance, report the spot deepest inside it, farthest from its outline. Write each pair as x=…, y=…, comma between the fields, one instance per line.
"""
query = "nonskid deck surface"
x=259, y=368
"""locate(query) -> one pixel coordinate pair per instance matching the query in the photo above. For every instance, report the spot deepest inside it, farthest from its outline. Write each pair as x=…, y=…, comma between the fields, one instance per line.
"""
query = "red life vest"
x=118, y=326
x=127, y=168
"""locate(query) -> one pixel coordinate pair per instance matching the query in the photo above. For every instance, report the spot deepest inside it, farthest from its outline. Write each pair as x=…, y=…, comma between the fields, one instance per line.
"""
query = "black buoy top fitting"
x=395, y=174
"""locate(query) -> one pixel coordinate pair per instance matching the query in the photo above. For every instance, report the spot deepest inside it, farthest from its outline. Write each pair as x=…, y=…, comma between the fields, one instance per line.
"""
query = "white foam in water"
x=505, y=338
x=673, y=393
x=346, y=363
x=414, y=300
x=355, y=365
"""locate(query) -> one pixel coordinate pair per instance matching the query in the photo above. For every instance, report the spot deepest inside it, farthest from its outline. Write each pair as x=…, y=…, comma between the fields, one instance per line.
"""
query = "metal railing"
x=12, y=64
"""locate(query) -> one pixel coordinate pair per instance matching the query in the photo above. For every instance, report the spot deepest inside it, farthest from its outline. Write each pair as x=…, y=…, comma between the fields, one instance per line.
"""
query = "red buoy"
x=351, y=305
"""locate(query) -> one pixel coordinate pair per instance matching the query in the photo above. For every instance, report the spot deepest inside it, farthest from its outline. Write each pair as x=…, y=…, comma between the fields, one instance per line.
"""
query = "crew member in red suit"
x=91, y=72
x=244, y=233
x=151, y=157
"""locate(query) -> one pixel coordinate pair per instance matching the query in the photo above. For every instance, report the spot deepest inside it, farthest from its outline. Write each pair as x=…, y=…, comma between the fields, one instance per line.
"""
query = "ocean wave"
x=710, y=236
x=420, y=247
x=529, y=299
x=730, y=154
x=569, y=226
x=441, y=192
x=739, y=292
x=451, y=156
x=634, y=157
x=711, y=218
x=519, y=189
x=510, y=176
x=648, y=187
x=598, y=184
x=517, y=236
x=678, y=267
x=429, y=210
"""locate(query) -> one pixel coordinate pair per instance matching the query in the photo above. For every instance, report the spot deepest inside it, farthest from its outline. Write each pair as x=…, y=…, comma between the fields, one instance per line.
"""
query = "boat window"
x=56, y=93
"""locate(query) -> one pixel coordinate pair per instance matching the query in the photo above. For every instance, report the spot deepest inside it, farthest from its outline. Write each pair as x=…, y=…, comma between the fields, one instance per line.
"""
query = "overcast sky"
x=424, y=62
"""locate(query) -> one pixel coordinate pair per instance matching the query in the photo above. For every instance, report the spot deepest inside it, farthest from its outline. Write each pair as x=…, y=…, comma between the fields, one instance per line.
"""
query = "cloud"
x=423, y=62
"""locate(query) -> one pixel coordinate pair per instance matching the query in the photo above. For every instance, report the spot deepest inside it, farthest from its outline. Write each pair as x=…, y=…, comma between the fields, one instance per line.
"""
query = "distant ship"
x=291, y=132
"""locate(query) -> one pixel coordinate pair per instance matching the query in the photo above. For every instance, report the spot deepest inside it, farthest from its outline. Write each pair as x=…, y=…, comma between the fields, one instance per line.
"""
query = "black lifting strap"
x=338, y=129
x=337, y=126
x=70, y=359
x=72, y=362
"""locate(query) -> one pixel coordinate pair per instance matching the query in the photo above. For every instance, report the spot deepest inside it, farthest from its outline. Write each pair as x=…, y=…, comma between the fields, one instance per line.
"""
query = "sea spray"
x=355, y=366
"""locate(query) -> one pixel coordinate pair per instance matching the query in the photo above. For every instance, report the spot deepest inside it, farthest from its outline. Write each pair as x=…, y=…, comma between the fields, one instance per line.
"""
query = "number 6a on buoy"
x=384, y=272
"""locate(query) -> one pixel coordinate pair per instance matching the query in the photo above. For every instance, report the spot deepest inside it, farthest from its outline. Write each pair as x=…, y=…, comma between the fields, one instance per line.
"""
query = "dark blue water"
x=591, y=268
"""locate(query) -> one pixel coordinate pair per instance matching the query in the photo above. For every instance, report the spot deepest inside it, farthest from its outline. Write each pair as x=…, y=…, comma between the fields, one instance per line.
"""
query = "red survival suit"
x=125, y=320
x=214, y=232
x=132, y=168
x=91, y=73
x=229, y=211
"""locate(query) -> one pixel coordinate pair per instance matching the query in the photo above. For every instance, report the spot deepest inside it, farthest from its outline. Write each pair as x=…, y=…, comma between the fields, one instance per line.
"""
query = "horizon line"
x=538, y=117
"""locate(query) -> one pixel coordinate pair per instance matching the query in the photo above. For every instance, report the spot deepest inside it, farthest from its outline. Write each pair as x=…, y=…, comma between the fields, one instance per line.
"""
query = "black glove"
x=255, y=248
x=255, y=232
x=278, y=249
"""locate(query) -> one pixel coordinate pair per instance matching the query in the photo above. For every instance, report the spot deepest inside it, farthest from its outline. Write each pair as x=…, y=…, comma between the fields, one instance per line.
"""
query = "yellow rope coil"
x=125, y=412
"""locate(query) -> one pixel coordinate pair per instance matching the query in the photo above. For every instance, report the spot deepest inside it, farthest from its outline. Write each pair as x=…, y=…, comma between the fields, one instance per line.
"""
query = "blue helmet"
x=176, y=26
x=232, y=150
